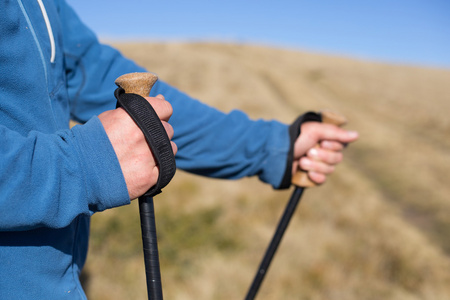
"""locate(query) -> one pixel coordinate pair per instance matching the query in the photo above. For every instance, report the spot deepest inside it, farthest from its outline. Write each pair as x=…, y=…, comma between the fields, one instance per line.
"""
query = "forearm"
x=225, y=145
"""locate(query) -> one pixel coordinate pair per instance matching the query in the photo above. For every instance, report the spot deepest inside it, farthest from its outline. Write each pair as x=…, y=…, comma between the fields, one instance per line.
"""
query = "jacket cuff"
x=104, y=181
x=294, y=133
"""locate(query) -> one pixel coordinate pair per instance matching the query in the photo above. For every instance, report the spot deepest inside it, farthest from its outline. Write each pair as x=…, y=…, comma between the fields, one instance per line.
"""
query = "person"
x=53, y=178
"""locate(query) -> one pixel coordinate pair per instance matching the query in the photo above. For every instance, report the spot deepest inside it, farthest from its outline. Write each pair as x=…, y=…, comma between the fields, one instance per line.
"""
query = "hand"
x=135, y=157
x=319, y=148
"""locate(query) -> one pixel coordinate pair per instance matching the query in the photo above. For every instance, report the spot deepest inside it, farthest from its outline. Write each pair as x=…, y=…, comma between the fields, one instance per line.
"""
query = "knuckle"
x=318, y=178
x=168, y=128
x=135, y=134
x=330, y=169
x=161, y=106
x=306, y=164
x=166, y=108
x=174, y=147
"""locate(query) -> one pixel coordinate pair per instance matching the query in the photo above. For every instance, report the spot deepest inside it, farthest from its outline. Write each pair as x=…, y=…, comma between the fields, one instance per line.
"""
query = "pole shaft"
x=150, y=246
x=275, y=242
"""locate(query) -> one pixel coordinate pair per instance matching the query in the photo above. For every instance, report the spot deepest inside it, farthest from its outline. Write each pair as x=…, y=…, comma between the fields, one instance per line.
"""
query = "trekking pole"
x=132, y=88
x=301, y=181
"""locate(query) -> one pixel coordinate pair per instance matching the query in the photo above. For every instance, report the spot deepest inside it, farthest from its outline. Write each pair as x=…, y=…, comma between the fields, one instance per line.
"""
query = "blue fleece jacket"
x=52, y=178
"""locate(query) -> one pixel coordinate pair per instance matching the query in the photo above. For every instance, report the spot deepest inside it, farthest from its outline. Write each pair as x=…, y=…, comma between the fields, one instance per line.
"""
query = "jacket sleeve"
x=45, y=181
x=211, y=143
x=225, y=145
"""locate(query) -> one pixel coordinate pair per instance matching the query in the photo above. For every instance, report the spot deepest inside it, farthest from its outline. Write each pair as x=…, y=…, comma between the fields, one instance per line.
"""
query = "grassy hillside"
x=378, y=229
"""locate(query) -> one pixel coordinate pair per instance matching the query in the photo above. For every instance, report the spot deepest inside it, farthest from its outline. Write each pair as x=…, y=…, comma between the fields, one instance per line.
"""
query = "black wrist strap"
x=294, y=133
x=148, y=121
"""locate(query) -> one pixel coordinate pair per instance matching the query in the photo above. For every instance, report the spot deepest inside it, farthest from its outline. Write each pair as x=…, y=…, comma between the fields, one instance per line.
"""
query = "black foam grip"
x=148, y=121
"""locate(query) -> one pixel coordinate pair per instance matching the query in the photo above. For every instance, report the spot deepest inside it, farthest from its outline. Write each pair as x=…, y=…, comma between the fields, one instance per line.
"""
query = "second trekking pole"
x=301, y=181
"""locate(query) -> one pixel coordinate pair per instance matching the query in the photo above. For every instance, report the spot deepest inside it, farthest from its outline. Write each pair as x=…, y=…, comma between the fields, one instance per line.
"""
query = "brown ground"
x=378, y=229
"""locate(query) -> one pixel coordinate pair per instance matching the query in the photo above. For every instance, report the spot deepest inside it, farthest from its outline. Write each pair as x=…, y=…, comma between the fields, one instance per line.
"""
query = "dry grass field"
x=378, y=229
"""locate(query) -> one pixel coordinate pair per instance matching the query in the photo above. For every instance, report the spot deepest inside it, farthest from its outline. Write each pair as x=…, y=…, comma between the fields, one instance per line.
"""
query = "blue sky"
x=401, y=31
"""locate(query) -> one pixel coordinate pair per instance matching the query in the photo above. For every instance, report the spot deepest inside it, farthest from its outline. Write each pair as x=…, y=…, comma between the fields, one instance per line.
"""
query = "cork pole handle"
x=301, y=178
x=137, y=83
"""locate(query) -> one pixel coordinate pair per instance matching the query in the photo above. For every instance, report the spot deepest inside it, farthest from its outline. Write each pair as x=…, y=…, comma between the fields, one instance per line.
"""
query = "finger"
x=331, y=132
x=332, y=145
x=314, y=132
x=174, y=147
x=326, y=156
x=308, y=164
x=168, y=128
x=318, y=178
x=162, y=107
x=170, y=132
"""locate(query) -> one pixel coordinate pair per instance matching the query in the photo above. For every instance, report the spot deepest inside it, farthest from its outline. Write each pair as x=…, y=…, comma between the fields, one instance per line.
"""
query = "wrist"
x=294, y=133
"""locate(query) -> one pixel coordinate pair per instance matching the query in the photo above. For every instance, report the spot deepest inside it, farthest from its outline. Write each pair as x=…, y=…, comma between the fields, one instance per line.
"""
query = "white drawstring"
x=49, y=29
